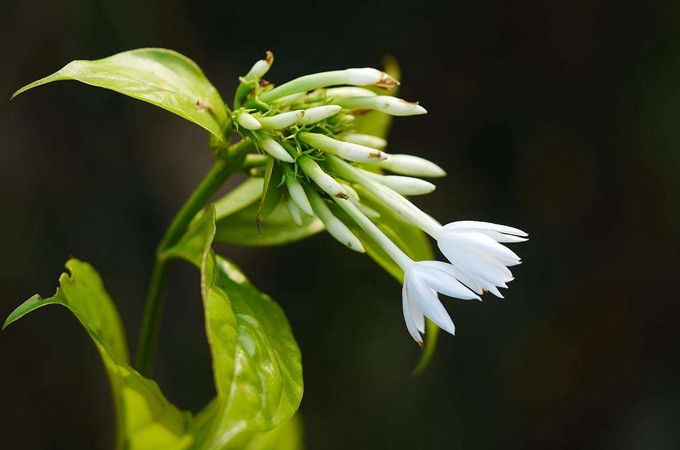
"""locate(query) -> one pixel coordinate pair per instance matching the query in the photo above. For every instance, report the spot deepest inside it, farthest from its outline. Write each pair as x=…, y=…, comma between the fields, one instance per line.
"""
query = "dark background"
x=560, y=118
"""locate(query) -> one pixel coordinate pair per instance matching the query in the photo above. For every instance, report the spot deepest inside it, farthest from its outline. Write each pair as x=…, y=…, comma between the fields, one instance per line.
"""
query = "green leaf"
x=287, y=436
x=240, y=228
x=256, y=360
x=158, y=76
x=245, y=194
x=272, y=190
x=146, y=420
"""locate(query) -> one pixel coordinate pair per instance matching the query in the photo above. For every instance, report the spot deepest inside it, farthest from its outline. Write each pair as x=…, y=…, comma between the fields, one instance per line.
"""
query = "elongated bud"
x=261, y=67
x=370, y=77
x=333, y=225
x=290, y=99
x=402, y=185
x=365, y=140
x=297, y=193
x=342, y=119
x=319, y=113
x=280, y=121
x=347, y=150
x=385, y=103
x=357, y=77
x=294, y=212
x=275, y=149
x=248, y=122
x=412, y=165
x=348, y=91
x=326, y=182
x=407, y=185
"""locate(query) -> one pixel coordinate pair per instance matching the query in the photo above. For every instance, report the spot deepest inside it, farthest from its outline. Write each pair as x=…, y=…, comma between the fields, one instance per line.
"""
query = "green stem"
x=153, y=310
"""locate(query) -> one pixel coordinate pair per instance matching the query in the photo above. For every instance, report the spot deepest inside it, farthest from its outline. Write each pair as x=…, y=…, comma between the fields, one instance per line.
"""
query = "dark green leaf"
x=256, y=361
x=146, y=420
x=272, y=190
x=240, y=228
x=245, y=194
x=158, y=76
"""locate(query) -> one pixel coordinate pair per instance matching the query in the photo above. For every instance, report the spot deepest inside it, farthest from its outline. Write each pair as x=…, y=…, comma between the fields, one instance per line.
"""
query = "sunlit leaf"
x=146, y=420
x=158, y=76
x=256, y=360
x=287, y=436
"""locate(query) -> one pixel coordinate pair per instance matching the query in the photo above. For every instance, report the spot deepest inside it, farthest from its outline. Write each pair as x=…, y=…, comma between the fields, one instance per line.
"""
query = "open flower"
x=474, y=248
x=422, y=281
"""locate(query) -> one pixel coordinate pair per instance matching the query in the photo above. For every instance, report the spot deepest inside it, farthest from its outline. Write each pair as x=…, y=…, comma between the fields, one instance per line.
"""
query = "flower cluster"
x=306, y=125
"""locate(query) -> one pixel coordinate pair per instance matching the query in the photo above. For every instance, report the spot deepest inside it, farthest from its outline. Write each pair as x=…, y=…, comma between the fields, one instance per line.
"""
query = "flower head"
x=306, y=129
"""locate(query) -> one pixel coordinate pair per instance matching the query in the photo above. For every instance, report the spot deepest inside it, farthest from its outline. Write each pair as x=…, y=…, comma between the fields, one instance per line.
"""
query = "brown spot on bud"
x=269, y=58
x=342, y=195
x=387, y=82
x=408, y=103
x=264, y=83
x=375, y=155
x=360, y=112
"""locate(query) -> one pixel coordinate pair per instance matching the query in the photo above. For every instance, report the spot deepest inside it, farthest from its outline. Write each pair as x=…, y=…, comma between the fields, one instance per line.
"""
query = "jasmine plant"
x=314, y=151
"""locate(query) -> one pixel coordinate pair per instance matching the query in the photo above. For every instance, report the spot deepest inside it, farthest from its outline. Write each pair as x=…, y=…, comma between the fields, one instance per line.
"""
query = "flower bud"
x=261, y=67
x=385, y=103
x=348, y=91
x=402, y=185
x=365, y=140
x=346, y=150
x=280, y=121
x=248, y=122
x=357, y=77
x=412, y=165
x=370, y=77
x=294, y=212
x=297, y=193
x=407, y=185
x=333, y=225
x=326, y=182
x=275, y=149
x=319, y=113
x=290, y=99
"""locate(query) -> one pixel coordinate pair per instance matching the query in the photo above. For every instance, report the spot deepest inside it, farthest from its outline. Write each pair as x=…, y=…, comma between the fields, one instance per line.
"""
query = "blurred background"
x=560, y=118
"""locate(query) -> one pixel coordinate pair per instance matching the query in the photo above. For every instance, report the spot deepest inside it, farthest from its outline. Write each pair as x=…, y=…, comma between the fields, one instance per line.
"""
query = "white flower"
x=385, y=103
x=474, y=248
x=412, y=165
x=422, y=281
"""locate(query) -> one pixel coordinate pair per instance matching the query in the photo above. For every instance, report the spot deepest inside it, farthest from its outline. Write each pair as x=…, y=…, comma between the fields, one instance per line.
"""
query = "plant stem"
x=153, y=310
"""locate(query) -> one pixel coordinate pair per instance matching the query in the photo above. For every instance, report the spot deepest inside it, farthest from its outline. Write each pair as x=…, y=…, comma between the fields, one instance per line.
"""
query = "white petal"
x=487, y=226
x=472, y=262
x=408, y=317
x=461, y=276
x=479, y=241
x=444, y=282
x=418, y=316
x=428, y=303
